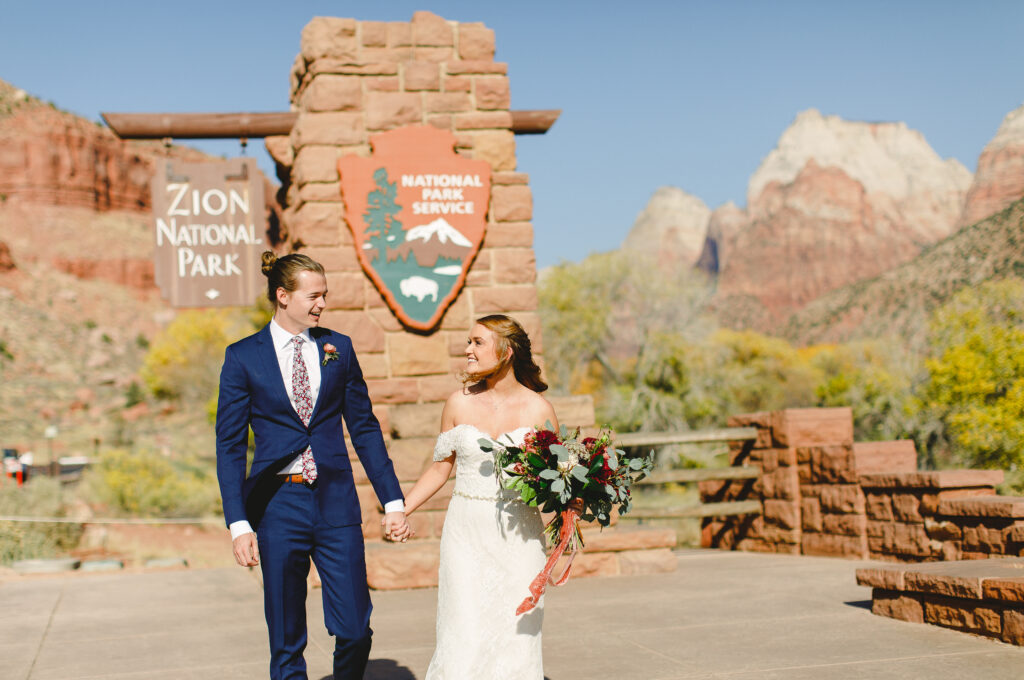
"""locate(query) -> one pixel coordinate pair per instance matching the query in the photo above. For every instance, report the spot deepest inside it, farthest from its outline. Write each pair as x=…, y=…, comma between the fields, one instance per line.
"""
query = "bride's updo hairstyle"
x=509, y=334
x=283, y=272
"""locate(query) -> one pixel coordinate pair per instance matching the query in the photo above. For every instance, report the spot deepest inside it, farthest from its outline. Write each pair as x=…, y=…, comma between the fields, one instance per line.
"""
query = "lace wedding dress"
x=491, y=549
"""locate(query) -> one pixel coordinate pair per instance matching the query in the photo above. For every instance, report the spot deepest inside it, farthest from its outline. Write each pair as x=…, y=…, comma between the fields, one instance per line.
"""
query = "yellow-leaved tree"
x=184, y=360
x=976, y=376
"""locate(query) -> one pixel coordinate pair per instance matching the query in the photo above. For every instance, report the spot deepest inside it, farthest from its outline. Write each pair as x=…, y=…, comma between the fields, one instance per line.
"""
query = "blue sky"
x=691, y=94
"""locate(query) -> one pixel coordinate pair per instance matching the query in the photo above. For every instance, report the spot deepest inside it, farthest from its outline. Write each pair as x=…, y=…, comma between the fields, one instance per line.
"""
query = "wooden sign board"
x=417, y=212
x=210, y=228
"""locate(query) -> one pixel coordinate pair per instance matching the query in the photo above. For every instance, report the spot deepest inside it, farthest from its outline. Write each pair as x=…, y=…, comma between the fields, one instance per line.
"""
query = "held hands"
x=396, y=527
x=247, y=553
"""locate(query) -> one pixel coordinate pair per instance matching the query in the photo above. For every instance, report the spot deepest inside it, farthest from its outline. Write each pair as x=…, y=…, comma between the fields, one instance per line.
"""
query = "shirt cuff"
x=394, y=506
x=240, y=528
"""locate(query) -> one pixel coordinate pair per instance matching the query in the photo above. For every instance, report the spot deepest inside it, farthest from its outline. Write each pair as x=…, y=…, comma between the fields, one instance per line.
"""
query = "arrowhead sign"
x=418, y=212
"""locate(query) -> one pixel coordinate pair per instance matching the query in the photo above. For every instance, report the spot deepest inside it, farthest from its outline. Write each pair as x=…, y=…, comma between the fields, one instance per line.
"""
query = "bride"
x=492, y=545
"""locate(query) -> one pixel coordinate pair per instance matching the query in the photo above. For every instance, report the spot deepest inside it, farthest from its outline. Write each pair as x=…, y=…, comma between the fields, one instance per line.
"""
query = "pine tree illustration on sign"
x=382, y=228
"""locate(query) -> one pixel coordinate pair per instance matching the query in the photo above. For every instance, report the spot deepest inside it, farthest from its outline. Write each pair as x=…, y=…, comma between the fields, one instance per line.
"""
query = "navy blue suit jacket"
x=252, y=394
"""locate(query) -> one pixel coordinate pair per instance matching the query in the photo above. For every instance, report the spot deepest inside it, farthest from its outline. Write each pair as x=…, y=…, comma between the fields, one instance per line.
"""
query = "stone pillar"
x=353, y=79
x=811, y=501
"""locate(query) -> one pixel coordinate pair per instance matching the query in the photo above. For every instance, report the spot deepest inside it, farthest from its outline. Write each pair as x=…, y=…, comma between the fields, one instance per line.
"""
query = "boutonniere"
x=330, y=353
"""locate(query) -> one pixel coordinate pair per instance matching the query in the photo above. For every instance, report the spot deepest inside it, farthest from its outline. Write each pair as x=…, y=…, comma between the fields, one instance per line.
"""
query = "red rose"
x=546, y=438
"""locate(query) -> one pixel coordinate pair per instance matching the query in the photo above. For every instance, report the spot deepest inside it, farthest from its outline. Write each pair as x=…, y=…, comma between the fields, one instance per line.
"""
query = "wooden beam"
x=701, y=475
x=725, y=434
x=253, y=125
x=199, y=125
x=534, y=122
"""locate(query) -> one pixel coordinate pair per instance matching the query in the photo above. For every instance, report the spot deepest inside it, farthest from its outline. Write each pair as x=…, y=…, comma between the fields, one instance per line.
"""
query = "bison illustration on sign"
x=417, y=212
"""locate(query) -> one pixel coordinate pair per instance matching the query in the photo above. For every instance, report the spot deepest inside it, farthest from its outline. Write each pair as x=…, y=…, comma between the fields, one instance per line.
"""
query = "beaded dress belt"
x=505, y=496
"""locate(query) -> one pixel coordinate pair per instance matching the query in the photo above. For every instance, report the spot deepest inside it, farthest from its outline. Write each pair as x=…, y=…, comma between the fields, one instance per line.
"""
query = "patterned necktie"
x=302, y=395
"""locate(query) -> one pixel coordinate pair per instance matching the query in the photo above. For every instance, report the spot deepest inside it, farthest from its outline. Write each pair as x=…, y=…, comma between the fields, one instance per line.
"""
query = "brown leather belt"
x=294, y=479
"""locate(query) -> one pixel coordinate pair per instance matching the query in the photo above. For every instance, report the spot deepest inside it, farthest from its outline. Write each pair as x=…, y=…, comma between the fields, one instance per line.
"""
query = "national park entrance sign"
x=399, y=175
x=417, y=212
x=210, y=228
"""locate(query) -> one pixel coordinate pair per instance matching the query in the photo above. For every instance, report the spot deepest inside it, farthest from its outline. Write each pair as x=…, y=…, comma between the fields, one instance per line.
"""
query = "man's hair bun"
x=269, y=259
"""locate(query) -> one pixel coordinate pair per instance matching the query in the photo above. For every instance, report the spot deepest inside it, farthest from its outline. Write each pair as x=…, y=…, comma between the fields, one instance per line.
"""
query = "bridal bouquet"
x=575, y=478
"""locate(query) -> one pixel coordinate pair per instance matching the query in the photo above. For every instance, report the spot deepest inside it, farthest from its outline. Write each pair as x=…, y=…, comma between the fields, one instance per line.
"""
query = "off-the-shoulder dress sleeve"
x=446, y=444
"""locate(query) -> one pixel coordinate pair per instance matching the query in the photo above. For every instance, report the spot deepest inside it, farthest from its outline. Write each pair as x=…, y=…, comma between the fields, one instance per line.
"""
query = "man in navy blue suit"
x=292, y=383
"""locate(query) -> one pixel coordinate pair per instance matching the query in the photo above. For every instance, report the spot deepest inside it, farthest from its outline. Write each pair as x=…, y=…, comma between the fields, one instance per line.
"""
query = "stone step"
x=1008, y=507
x=612, y=552
x=983, y=597
x=102, y=565
x=963, y=578
x=46, y=566
x=933, y=479
x=615, y=539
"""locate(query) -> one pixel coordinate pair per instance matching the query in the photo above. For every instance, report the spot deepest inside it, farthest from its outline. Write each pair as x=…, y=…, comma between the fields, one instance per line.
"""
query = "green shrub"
x=148, y=484
x=39, y=497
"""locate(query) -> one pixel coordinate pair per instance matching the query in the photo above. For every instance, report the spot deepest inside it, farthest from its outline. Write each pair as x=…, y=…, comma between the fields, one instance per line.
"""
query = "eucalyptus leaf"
x=485, y=444
x=561, y=452
x=608, y=489
x=613, y=461
x=548, y=425
x=549, y=474
x=636, y=464
x=579, y=472
x=558, y=485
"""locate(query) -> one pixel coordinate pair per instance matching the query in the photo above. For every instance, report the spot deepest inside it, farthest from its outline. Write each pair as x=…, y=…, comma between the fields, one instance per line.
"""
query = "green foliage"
x=613, y=304
x=148, y=484
x=39, y=497
x=976, y=376
x=133, y=394
x=639, y=343
x=876, y=379
x=5, y=353
x=183, y=361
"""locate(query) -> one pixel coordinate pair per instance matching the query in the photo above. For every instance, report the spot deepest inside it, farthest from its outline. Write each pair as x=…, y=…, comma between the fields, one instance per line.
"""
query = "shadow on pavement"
x=383, y=669
x=860, y=604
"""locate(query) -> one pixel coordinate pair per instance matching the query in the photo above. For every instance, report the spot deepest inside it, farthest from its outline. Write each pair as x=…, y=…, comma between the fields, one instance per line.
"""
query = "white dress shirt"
x=285, y=350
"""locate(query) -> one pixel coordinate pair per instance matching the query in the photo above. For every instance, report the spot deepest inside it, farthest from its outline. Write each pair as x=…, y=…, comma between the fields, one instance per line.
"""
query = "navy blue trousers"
x=290, y=532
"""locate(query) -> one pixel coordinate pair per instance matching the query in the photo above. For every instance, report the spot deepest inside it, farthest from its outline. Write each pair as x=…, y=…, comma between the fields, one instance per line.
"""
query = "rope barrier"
x=110, y=520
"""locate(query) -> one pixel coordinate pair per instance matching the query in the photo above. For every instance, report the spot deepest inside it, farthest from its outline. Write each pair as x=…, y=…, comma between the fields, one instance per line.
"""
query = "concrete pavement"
x=722, y=615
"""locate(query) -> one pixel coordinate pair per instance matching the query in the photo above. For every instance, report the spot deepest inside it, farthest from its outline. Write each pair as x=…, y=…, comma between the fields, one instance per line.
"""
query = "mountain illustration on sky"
x=431, y=242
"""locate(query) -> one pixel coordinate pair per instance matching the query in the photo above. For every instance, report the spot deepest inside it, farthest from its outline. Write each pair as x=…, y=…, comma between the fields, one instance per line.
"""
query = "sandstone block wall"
x=823, y=494
x=351, y=80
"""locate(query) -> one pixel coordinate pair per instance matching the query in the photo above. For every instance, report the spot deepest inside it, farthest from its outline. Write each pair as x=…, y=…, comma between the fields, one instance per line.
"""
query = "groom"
x=292, y=383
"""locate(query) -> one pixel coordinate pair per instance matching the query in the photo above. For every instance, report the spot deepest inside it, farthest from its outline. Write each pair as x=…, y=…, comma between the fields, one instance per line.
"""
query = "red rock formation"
x=56, y=158
x=726, y=222
x=671, y=228
x=6, y=261
x=130, y=272
x=999, y=180
x=834, y=203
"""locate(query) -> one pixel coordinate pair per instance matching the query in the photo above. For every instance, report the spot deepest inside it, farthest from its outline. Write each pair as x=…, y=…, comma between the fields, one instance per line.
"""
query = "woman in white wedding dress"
x=492, y=545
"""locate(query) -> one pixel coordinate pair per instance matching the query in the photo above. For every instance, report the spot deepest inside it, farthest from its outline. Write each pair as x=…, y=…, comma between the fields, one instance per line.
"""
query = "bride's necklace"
x=495, y=404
